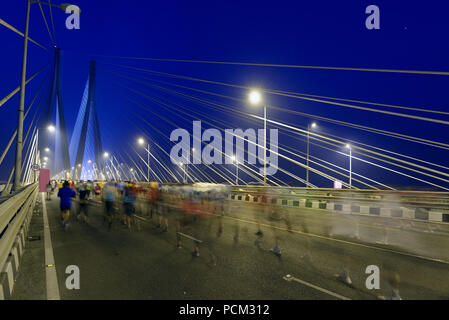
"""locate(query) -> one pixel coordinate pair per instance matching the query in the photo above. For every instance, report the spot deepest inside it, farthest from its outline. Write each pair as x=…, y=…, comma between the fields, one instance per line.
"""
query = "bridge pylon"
x=85, y=146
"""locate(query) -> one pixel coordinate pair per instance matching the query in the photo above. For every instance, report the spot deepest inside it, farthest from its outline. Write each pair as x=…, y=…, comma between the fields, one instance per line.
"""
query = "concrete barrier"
x=346, y=208
x=9, y=270
x=8, y=276
x=408, y=213
x=435, y=216
x=353, y=208
x=364, y=209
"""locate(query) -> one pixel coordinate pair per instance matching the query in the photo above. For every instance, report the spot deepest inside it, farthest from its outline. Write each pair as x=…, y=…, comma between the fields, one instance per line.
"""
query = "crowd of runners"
x=194, y=213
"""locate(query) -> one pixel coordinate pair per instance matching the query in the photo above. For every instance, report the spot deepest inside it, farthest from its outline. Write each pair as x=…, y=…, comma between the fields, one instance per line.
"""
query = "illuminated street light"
x=89, y=161
x=255, y=98
x=47, y=149
x=45, y=158
x=51, y=128
x=106, y=154
x=141, y=141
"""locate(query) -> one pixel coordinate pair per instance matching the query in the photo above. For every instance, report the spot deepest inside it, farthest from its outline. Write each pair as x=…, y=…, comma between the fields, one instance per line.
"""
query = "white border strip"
x=50, y=269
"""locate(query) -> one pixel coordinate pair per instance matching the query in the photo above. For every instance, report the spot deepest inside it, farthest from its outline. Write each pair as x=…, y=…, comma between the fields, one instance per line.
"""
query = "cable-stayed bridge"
x=330, y=183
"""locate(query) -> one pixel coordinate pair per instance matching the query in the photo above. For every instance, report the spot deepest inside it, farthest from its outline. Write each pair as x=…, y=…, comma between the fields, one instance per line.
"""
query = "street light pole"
x=255, y=98
x=350, y=168
x=350, y=164
x=148, y=159
x=307, y=168
x=19, y=146
x=265, y=145
x=309, y=126
x=237, y=175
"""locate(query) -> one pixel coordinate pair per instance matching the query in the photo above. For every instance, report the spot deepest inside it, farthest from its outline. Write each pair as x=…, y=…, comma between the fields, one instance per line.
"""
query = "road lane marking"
x=290, y=278
x=189, y=237
x=50, y=273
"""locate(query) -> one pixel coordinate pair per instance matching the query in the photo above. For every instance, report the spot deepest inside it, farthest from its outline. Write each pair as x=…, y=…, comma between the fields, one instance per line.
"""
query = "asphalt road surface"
x=315, y=245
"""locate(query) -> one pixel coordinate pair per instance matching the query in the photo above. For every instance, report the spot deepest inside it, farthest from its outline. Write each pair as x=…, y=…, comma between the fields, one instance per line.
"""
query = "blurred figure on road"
x=83, y=204
x=153, y=195
x=66, y=194
x=54, y=184
x=129, y=199
x=162, y=211
x=97, y=190
x=89, y=188
x=121, y=188
x=394, y=281
x=48, y=189
x=109, y=197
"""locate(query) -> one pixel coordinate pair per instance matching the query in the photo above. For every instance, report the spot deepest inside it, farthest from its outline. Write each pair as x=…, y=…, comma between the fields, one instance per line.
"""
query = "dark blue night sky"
x=413, y=36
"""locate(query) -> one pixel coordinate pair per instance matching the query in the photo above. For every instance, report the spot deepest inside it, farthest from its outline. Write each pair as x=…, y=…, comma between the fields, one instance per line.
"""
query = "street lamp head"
x=89, y=161
x=313, y=125
x=47, y=149
x=348, y=146
x=233, y=158
x=79, y=165
x=51, y=128
x=141, y=141
x=106, y=154
x=255, y=97
x=64, y=6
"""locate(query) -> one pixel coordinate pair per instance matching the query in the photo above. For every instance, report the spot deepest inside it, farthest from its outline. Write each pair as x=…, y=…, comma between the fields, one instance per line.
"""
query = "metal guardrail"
x=14, y=212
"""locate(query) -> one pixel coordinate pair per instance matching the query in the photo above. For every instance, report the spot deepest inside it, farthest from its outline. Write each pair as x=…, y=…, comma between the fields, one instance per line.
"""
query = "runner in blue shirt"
x=66, y=194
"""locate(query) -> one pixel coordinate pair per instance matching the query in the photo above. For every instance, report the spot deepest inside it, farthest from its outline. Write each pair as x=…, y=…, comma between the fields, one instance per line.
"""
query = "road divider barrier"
x=413, y=205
